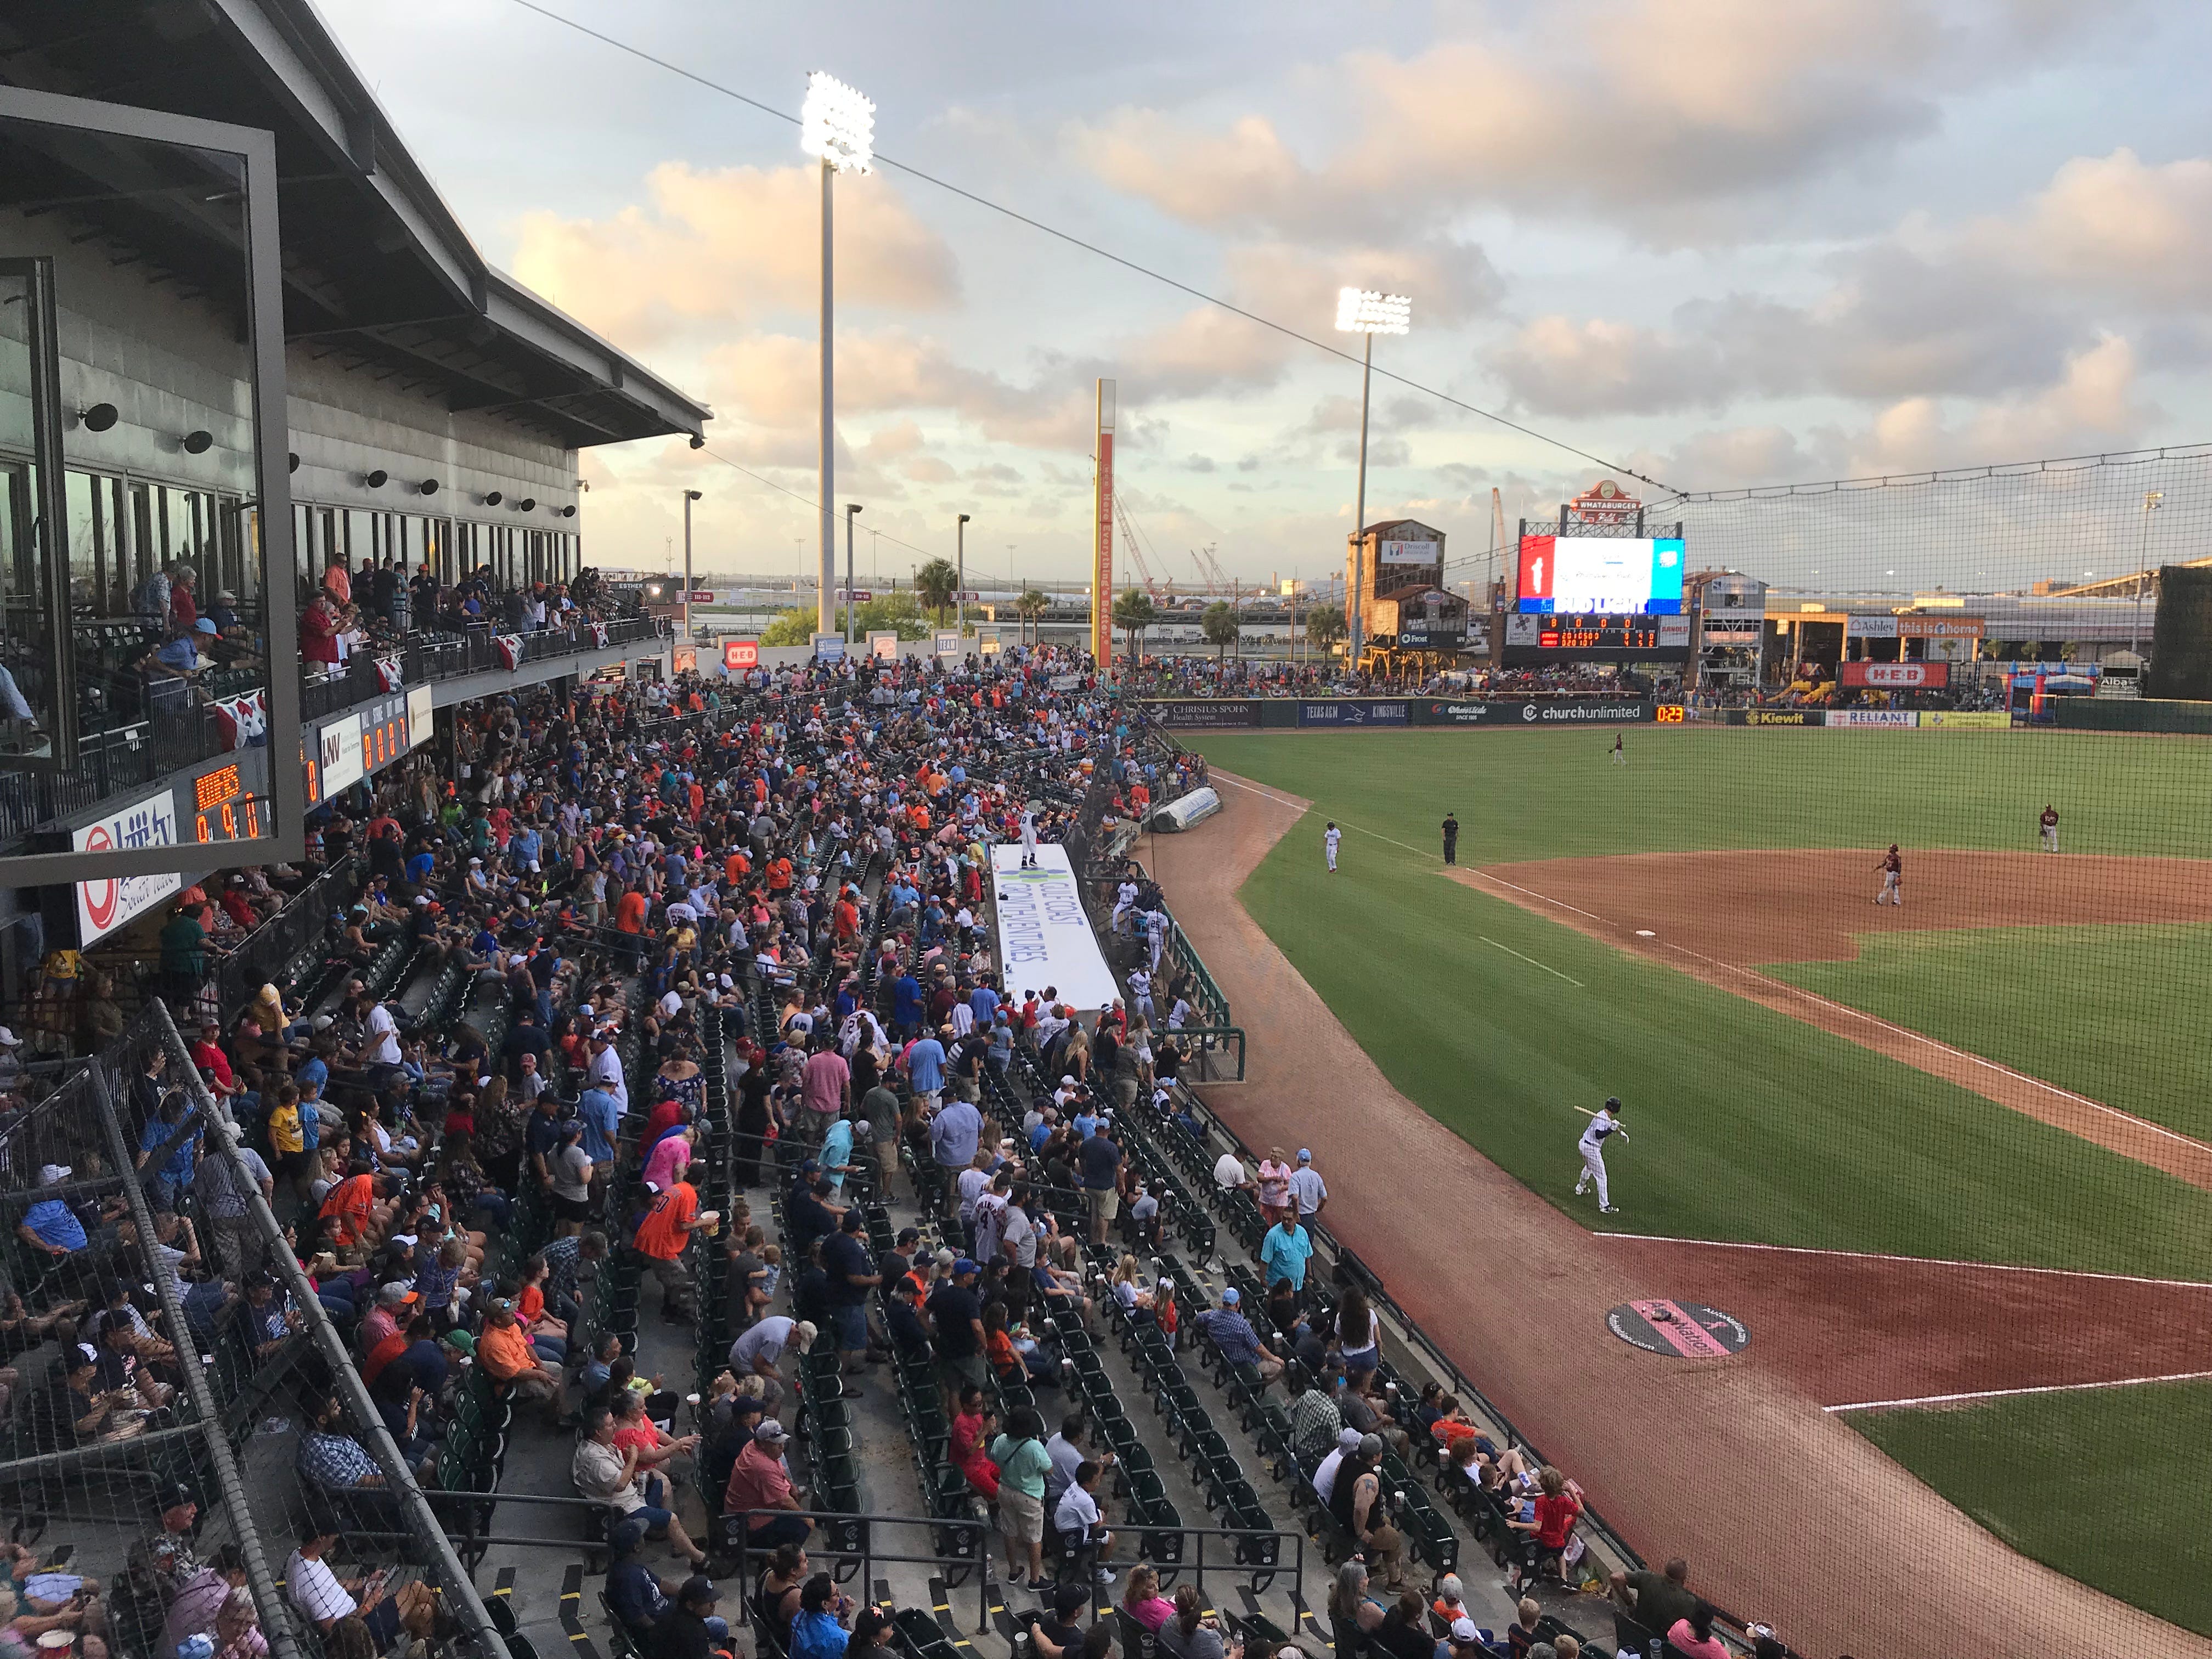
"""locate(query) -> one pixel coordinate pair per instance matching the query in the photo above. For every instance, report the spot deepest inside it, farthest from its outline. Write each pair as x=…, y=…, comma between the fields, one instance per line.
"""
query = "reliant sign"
x=1044, y=936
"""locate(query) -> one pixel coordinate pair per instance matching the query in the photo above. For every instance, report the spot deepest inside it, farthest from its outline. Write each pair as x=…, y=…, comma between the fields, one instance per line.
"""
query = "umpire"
x=1451, y=838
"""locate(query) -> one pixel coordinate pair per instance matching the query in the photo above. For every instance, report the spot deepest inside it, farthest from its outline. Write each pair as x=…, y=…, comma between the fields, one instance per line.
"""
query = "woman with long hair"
x=1142, y=1600
x=1359, y=1335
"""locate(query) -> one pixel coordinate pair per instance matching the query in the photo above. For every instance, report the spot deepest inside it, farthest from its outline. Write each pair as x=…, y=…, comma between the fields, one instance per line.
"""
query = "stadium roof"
x=376, y=268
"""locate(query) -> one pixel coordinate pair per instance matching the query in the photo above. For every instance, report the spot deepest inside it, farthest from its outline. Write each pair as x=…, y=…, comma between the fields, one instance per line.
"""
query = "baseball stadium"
x=1890, y=1000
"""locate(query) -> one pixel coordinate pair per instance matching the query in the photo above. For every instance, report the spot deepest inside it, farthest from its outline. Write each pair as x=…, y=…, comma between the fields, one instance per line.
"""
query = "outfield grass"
x=2103, y=1011
x=1744, y=1124
x=1529, y=794
x=2106, y=1485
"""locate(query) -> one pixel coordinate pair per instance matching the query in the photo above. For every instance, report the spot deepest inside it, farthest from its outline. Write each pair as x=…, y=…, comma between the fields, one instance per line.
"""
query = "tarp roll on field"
x=1044, y=936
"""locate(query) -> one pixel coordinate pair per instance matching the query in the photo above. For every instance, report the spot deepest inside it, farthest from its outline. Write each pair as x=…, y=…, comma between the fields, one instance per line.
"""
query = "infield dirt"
x=1784, y=1512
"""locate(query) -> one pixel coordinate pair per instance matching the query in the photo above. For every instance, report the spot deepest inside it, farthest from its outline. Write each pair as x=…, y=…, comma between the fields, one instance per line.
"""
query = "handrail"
x=1258, y=1571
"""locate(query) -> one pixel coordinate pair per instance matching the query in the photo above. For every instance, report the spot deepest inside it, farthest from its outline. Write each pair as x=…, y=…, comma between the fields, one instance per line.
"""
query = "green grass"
x=1744, y=1124
x=2105, y=1485
x=1523, y=794
x=2101, y=1010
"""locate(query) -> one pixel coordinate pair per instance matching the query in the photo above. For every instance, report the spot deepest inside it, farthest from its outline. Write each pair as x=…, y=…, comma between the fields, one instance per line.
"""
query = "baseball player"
x=1328, y=840
x=1619, y=754
x=1592, y=1148
x=1029, y=839
x=1893, y=876
x=2050, y=822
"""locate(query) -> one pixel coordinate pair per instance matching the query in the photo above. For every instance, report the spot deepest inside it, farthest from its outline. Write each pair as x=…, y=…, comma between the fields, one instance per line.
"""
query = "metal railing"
x=434, y=654
x=1258, y=1567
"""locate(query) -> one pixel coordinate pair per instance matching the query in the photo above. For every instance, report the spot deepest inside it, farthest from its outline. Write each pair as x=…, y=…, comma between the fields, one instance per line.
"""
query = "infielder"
x=2050, y=822
x=1592, y=1148
x=1893, y=876
x=1328, y=840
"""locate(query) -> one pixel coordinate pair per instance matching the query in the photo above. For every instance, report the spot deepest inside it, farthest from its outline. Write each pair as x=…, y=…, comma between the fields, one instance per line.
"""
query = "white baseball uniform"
x=1328, y=845
x=1592, y=1148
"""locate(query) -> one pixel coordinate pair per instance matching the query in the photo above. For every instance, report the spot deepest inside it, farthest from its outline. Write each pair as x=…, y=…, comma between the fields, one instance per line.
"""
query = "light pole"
x=1363, y=311
x=2153, y=499
x=851, y=507
x=689, y=496
x=837, y=125
x=960, y=593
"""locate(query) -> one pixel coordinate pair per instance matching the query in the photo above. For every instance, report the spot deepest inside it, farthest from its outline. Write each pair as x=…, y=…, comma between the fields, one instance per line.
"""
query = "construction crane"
x=1217, y=578
x=1153, y=584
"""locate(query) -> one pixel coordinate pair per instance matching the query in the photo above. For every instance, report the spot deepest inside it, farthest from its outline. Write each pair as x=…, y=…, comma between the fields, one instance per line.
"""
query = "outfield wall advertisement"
x=1244, y=713
x=1203, y=715
x=1535, y=711
x=1351, y=711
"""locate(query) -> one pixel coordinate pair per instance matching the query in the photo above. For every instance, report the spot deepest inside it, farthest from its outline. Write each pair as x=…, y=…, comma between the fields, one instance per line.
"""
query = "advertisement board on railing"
x=422, y=720
x=1349, y=711
x=1207, y=714
x=104, y=905
x=1533, y=711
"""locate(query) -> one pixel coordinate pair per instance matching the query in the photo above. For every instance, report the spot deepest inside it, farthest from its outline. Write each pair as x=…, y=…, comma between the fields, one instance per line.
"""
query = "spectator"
x=760, y=1481
x=610, y=1476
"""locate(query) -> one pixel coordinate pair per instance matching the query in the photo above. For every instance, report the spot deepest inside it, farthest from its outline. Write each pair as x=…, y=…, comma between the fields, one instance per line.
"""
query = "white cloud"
x=710, y=249
x=2114, y=224
x=1626, y=108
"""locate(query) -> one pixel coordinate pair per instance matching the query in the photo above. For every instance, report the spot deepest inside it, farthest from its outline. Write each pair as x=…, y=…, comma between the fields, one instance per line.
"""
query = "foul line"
x=1916, y=1260
x=1345, y=824
x=1531, y=961
x=2010, y=1393
x=1784, y=988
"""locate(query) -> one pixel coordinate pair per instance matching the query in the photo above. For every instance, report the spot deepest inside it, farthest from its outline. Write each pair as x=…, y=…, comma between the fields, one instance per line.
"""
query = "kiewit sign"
x=1044, y=936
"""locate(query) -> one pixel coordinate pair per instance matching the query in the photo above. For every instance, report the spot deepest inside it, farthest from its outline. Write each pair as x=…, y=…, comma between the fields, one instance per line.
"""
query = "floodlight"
x=1363, y=311
x=837, y=124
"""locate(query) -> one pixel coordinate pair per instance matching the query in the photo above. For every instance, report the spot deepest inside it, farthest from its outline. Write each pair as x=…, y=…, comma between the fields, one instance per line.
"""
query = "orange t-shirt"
x=382, y=1355
x=504, y=1352
x=736, y=868
x=661, y=1233
x=629, y=914
x=347, y=1205
x=530, y=1305
x=779, y=874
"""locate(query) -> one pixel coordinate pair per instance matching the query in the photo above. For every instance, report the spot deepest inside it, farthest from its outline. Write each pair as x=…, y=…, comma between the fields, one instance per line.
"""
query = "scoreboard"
x=224, y=811
x=1534, y=639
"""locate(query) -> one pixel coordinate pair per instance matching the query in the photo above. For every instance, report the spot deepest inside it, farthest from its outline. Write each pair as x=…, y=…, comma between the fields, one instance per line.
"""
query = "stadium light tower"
x=2152, y=500
x=1363, y=311
x=837, y=125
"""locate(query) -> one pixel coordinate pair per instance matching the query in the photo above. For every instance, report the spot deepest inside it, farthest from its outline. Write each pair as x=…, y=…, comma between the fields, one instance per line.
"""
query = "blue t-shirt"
x=984, y=1002
x=419, y=867
x=56, y=1224
x=1285, y=1256
x=155, y=1136
x=836, y=1148
x=601, y=1117
x=906, y=1000
x=925, y=1066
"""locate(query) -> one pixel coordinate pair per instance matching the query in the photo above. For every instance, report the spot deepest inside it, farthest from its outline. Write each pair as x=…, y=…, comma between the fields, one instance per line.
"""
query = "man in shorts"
x=1099, y=1159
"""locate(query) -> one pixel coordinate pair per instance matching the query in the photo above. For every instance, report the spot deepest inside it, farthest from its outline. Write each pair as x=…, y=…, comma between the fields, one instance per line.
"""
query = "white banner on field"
x=1044, y=937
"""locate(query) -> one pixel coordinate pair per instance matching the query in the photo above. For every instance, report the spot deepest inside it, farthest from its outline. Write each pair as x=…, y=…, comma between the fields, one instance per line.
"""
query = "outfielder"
x=1619, y=754
x=1893, y=876
x=1592, y=1148
x=2050, y=822
x=1328, y=840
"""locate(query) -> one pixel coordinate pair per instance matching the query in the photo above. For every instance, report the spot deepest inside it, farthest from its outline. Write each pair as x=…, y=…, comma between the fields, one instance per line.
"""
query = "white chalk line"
x=1531, y=961
x=2013, y=1393
x=1916, y=1260
x=1342, y=823
x=1891, y=1026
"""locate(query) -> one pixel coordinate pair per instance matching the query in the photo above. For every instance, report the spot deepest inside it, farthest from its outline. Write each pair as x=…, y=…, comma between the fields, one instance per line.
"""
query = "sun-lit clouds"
x=2115, y=225
x=1633, y=108
x=713, y=249
x=2096, y=405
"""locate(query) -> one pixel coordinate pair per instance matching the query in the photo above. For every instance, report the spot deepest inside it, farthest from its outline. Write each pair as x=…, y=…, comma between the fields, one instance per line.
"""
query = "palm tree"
x=1218, y=622
x=937, y=582
x=1325, y=626
x=1032, y=605
x=1134, y=612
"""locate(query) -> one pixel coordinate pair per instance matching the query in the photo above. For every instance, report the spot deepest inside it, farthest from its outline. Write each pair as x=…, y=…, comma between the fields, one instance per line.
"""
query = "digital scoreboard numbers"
x=1609, y=636
x=1533, y=638
x=224, y=811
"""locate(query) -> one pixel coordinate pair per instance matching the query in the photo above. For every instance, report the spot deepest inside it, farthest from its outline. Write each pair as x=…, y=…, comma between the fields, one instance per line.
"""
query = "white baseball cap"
x=53, y=1174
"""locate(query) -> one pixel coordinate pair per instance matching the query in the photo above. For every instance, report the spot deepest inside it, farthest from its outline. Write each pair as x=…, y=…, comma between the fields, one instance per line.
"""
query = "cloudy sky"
x=1717, y=241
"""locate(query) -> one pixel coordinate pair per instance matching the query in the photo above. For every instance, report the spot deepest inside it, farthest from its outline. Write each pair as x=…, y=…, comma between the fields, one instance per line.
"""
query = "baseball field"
x=2006, y=1069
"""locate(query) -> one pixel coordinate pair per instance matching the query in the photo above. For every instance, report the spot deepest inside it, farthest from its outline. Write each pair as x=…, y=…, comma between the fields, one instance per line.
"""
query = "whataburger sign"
x=1044, y=935
x=103, y=905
